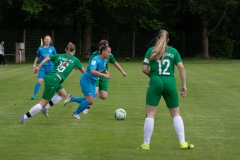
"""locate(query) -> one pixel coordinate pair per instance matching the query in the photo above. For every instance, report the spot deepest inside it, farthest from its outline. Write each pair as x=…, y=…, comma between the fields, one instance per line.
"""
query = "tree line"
x=216, y=22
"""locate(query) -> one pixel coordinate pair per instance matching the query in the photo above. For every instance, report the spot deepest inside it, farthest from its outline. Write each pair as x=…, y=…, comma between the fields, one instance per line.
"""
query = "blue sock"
x=82, y=106
x=78, y=100
x=36, y=89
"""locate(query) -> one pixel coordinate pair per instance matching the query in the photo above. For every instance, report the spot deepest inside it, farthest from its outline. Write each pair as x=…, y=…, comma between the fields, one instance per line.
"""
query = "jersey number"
x=163, y=62
x=61, y=68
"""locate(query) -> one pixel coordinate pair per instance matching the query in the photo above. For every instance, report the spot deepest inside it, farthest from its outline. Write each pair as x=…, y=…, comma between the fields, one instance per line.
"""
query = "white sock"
x=35, y=109
x=148, y=130
x=54, y=100
x=179, y=128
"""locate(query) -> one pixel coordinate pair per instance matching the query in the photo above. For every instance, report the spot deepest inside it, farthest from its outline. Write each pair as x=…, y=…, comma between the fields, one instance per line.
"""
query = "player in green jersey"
x=161, y=60
x=63, y=65
x=102, y=83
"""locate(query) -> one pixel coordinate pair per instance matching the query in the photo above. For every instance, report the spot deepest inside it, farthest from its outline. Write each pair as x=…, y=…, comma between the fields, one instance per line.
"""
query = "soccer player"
x=64, y=64
x=102, y=83
x=161, y=60
x=42, y=52
x=96, y=68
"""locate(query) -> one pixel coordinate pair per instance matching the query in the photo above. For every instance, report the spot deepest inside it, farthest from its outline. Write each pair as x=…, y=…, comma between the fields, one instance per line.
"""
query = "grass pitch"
x=210, y=113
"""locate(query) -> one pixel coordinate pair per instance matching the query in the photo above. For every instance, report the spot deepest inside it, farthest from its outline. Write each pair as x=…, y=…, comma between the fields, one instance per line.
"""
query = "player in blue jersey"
x=43, y=52
x=102, y=83
x=95, y=69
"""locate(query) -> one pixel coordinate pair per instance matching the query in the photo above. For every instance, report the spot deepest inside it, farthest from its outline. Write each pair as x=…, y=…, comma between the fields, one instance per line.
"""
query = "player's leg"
x=51, y=85
x=171, y=98
x=97, y=84
x=88, y=90
x=41, y=75
x=153, y=97
x=103, y=88
x=61, y=93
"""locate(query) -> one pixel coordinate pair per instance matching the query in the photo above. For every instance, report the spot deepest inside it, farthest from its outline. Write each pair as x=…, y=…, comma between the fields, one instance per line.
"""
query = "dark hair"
x=70, y=48
x=104, y=47
x=101, y=43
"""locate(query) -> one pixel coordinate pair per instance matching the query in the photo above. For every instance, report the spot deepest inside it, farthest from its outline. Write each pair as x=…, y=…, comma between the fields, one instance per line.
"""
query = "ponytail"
x=70, y=48
x=161, y=45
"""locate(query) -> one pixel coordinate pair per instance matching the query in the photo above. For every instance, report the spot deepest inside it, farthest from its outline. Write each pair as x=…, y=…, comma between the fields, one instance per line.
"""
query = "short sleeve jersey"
x=64, y=71
x=111, y=58
x=165, y=66
x=96, y=64
x=44, y=52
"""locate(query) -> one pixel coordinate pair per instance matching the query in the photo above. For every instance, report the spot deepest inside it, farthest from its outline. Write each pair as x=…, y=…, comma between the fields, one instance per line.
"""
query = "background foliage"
x=214, y=21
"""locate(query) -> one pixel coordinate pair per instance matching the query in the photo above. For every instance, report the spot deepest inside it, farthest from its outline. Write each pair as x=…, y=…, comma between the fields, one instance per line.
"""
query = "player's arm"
x=183, y=78
x=35, y=62
x=82, y=70
x=120, y=69
x=99, y=74
x=35, y=70
x=145, y=66
x=145, y=69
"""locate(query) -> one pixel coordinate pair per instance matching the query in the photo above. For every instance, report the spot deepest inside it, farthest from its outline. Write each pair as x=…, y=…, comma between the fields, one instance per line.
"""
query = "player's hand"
x=35, y=70
x=184, y=91
x=124, y=74
x=34, y=66
x=108, y=75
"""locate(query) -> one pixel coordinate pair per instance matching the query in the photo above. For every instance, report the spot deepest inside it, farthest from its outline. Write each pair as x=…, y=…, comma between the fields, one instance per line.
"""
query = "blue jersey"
x=96, y=64
x=44, y=52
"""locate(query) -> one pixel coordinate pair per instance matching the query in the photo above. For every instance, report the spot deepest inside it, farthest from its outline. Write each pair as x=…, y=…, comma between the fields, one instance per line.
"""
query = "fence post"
x=133, y=47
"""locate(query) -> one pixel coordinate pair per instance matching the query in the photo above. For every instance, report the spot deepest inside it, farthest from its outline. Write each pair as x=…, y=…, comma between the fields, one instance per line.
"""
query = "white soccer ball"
x=120, y=114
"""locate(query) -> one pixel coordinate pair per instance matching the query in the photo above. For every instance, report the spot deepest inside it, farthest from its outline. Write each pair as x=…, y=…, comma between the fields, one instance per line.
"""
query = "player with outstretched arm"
x=64, y=64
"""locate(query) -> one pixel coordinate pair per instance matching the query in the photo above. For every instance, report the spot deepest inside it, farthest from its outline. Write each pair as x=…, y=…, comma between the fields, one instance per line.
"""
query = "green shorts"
x=162, y=86
x=102, y=83
x=52, y=85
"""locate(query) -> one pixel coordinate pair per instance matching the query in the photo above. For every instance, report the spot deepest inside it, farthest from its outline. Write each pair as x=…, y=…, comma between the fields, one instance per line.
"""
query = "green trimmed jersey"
x=111, y=58
x=164, y=66
x=64, y=71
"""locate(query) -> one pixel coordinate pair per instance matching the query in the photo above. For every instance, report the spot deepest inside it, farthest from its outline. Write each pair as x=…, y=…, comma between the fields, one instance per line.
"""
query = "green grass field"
x=211, y=114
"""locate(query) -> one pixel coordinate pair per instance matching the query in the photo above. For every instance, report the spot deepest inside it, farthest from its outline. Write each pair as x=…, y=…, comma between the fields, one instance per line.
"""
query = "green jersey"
x=64, y=71
x=111, y=58
x=164, y=66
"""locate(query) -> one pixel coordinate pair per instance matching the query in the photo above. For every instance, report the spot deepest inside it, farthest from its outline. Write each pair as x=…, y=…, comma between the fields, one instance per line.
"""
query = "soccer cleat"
x=33, y=97
x=186, y=145
x=85, y=111
x=144, y=146
x=45, y=112
x=67, y=100
x=76, y=116
x=23, y=120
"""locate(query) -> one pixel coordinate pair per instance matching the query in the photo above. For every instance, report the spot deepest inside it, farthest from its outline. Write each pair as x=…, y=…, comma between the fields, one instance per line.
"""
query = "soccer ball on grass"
x=120, y=114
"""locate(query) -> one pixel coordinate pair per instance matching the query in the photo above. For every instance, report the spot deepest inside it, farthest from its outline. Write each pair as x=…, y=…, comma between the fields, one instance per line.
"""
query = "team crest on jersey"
x=93, y=63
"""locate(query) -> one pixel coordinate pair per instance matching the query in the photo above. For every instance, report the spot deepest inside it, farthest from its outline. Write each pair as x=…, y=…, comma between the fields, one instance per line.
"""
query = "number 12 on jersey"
x=165, y=62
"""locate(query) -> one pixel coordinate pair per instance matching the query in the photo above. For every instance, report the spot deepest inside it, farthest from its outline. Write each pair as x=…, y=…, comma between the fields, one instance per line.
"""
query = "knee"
x=103, y=96
x=40, y=81
x=63, y=95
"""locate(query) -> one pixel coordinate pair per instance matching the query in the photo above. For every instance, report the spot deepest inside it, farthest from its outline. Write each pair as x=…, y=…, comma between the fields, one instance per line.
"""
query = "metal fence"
x=124, y=43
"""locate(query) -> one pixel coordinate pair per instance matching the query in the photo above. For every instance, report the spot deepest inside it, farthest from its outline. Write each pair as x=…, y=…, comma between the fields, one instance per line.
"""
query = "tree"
x=211, y=12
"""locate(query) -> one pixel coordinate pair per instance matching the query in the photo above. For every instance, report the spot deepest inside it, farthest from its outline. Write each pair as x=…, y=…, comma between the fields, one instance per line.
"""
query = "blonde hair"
x=70, y=48
x=161, y=45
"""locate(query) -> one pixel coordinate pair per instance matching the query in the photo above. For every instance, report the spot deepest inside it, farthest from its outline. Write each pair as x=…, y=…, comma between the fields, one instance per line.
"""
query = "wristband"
x=184, y=85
